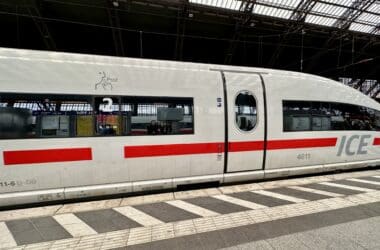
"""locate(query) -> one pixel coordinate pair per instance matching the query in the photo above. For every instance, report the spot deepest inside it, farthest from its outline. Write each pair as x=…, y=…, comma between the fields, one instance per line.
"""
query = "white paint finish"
x=141, y=186
x=138, y=216
x=315, y=191
x=75, y=226
x=6, y=238
x=96, y=190
x=13, y=198
x=308, y=87
x=377, y=176
x=365, y=181
x=243, y=176
x=279, y=196
x=134, y=78
x=347, y=187
x=239, y=202
x=198, y=179
x=192, y=208
x=244, y=160
x=284, y=172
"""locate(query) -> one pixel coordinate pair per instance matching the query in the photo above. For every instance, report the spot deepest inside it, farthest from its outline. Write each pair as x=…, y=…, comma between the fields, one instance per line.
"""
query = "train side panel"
x=42, y=169
x=110, y=161
x=318, y=149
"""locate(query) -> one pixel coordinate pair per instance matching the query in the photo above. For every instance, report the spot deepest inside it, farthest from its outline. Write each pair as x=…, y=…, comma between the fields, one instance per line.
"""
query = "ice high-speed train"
x=74, y=125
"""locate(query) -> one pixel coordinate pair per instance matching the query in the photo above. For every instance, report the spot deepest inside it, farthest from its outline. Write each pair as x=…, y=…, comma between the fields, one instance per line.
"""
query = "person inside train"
x=153, y=128
x=107, y=129
x=249, y=125
x=242, y=124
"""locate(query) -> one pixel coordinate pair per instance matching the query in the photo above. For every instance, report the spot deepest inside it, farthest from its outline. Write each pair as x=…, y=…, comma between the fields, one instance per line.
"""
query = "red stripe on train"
x=302, y=143
x=245, y=146
x=172, y=149
x=209, y=148
x=376, y=142
x=46, y=155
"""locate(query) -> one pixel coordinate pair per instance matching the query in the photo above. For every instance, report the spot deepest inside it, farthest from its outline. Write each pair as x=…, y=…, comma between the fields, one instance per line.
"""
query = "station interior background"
x=338, y=39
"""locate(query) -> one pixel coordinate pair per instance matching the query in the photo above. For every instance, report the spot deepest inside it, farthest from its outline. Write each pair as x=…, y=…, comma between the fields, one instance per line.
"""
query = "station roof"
x=331, y=38
x=359, y=16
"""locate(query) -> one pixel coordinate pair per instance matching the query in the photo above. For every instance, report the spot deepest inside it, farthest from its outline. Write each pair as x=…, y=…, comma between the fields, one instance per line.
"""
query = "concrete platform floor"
x=336, y=211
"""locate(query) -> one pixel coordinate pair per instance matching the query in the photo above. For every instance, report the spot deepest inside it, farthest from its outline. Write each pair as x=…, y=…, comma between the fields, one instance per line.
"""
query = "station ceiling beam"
x=183, y=13
x=374, y=95
x=374, y=86
x=298, y=17
x=343, y=23
x=352, y=13
x=352, y=82
x=246, y=9
x=302, y=10
x=359, y=83
x=33, y=8
x=376, y=29
x=114, y=21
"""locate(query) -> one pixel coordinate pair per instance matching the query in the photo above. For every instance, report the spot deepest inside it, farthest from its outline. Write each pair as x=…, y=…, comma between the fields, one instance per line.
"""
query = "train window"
x=340, y=116
x=157, y=116
x=325, y=116
x=50, y=116
x=321, y=116
x=34, y=116
x=245, y=111
x=376, y=121
x=108, y=119
x=350, y=117
x=297, y=115
x=369, y=119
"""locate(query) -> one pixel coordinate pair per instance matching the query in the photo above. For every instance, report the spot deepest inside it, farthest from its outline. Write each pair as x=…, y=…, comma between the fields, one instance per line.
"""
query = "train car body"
x=74, y=126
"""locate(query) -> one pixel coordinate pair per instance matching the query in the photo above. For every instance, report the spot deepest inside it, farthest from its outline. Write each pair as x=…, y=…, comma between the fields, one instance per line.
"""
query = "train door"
x=246, y=121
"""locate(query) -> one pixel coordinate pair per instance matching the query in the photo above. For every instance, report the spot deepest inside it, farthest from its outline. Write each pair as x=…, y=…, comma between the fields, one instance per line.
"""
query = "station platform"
x=333, y=211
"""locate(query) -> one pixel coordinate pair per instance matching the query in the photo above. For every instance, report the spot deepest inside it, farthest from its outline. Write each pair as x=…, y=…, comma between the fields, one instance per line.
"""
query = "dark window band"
x=328, y=116
x=52, y=116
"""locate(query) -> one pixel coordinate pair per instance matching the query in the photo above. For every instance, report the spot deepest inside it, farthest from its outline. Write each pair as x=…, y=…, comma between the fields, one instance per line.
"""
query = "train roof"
x=76, y=58
x=54, y=56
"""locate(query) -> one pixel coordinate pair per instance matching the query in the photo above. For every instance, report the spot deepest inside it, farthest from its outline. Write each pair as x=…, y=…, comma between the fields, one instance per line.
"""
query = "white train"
x=75, y=125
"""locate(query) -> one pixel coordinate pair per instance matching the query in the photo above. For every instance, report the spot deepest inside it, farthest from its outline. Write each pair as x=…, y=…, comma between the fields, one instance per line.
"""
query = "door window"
x=245, y=111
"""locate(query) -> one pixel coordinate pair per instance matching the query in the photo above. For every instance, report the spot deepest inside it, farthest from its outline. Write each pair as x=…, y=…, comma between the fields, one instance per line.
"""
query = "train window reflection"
x=321, y=116
x=325, y=116
x=297, y=115
x=377, y=120
x=51, y=116
x=245, y=111
x=157, y=116
x=108, y=119
x=34, y=116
